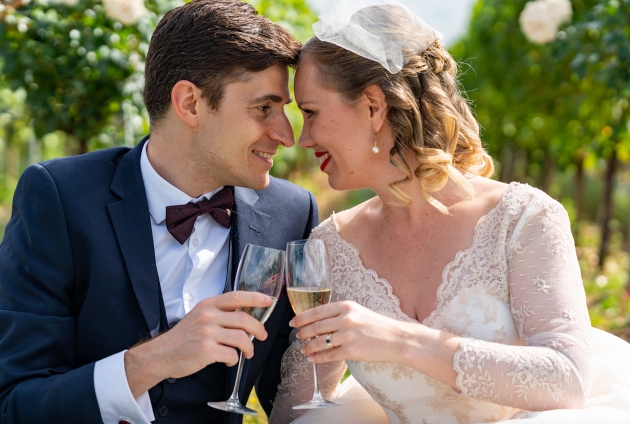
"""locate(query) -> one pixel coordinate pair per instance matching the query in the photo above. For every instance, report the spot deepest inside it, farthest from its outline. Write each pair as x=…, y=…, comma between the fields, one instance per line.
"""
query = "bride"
x=457, y=298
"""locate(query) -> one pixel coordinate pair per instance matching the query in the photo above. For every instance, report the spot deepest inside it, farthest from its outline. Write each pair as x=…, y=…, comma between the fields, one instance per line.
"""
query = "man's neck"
x=169, y=160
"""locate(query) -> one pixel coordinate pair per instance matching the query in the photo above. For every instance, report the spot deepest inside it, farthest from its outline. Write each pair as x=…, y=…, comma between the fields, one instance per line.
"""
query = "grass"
x=607, y=289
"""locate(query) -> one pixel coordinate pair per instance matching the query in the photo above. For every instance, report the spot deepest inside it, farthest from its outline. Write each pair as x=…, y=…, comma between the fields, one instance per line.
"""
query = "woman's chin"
x=334, y=183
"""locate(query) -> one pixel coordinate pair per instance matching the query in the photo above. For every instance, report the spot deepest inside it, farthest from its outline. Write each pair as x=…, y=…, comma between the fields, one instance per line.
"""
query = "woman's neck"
x=392, y=207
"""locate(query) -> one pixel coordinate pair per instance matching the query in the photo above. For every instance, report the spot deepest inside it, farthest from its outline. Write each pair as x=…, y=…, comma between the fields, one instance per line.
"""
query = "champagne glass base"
x=317, y=403
x=232, y=406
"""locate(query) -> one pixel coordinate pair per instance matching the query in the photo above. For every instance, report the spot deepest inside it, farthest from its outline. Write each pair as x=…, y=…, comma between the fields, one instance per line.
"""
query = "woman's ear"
x=377, y=105
x=186, y=98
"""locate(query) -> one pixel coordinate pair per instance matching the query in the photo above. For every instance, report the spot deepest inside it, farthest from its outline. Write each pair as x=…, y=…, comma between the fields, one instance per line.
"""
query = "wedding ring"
x=329, y=342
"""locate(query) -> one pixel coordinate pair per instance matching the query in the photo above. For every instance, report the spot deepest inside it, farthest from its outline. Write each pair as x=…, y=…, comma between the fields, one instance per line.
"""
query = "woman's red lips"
x=325, y=162
x=324, y=158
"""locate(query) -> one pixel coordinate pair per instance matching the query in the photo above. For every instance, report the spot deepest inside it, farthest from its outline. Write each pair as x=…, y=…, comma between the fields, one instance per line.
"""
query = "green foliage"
x=601, y=43
x=600, y=58
x=14, y=127
x=82, y=71
x=553, y=107
x=294, y=15
x=76, y=65
x=525, y=99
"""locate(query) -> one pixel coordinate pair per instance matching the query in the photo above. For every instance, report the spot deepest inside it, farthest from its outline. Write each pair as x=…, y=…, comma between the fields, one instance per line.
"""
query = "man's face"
x=235, y=144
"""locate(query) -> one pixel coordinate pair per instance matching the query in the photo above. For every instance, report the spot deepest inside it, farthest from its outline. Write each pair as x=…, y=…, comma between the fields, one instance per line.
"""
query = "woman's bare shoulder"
x=350, y=217
x=488, y=191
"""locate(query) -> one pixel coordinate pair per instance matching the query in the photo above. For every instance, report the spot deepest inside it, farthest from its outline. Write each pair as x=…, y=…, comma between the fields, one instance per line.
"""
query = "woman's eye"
x=308, y=113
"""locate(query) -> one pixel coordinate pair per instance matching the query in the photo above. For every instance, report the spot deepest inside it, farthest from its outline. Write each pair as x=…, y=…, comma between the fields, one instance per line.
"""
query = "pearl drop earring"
x=375, y=149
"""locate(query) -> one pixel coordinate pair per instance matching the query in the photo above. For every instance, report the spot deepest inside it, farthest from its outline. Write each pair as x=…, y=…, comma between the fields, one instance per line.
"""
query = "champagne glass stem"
x=317, y=401
x=233, y=404
x=316, y=394
x=239, y=371
x=237, y=383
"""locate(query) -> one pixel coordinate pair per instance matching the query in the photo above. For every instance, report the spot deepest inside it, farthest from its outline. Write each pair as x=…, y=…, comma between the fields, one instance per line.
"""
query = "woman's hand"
x=355, y=332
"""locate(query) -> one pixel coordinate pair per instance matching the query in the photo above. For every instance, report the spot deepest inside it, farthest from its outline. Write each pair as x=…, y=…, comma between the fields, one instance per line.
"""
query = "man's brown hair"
x=211, y=43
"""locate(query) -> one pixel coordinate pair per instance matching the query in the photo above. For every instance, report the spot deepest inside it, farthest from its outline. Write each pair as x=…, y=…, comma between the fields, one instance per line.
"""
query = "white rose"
x=126, y=12
x=538, y=25
x=560, y=10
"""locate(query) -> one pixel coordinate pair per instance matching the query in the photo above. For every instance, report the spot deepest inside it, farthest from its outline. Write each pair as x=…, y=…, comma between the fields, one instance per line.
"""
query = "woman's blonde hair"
x=427, y=113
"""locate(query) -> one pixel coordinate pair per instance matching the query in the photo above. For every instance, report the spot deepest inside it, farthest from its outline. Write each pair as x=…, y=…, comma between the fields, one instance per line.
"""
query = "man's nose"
x=282, y=131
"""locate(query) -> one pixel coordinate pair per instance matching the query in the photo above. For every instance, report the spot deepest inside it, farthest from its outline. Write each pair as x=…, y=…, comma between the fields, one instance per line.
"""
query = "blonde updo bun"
x=427, y=113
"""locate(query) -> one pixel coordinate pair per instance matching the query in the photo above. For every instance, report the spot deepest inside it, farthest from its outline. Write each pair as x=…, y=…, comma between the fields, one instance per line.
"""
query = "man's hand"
x=210, y=333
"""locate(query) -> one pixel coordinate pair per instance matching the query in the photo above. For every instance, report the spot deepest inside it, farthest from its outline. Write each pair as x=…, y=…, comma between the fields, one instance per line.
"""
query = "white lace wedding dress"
x=516, y=296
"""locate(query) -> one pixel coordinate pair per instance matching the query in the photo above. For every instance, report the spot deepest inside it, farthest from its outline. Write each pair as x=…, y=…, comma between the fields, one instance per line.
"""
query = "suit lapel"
x=249, y=226
x=131, y=221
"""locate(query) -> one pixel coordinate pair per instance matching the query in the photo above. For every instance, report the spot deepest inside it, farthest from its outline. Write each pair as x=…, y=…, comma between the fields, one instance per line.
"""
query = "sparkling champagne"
x=304, y=298
x=261, y=314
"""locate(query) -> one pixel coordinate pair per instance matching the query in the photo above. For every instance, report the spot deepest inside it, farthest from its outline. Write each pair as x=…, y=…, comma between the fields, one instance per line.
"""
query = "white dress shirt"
x=188, y=274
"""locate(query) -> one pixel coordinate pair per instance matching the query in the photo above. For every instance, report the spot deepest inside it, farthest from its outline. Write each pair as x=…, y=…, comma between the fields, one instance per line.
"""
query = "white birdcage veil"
x=385, y=31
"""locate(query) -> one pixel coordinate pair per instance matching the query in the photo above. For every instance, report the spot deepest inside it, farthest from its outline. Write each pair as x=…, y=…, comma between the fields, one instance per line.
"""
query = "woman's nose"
x=305, y=140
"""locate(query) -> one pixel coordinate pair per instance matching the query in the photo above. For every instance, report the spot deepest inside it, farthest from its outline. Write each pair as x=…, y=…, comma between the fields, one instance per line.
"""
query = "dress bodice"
x=472, y=302
x=516, y=297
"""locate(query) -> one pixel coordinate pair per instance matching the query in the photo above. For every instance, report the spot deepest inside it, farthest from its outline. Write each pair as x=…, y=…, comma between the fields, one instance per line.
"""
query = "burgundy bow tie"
x=180, y=219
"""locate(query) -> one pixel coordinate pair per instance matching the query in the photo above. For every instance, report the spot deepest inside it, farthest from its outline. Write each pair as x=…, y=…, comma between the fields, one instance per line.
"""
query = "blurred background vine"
x=552, y=99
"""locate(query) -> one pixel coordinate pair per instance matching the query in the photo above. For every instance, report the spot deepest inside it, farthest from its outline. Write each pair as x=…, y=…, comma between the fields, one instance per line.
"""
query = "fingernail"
x=311, y=359
x=292, y=323
x=302, y=351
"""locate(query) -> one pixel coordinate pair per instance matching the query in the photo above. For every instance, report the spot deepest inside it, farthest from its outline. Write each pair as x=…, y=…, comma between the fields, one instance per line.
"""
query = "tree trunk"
x=521, y=165
x=83, y=146
x=34, y=148
x=548, y=173
x=507, y=163
x=12, y=161
x=608, y=205
x=579, y=186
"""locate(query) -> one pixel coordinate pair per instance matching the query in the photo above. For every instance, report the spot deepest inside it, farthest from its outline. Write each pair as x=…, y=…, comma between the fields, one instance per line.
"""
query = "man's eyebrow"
x=270, y=97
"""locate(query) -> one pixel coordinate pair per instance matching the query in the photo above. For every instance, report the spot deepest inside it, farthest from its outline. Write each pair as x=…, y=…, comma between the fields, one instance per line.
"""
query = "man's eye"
x=263, y=108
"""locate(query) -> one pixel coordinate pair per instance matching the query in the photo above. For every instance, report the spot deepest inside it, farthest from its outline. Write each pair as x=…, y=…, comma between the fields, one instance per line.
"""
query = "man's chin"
x=258, y=183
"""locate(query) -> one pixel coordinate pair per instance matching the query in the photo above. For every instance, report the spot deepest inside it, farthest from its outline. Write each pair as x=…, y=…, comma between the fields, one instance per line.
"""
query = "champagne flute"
x=261, y=269
x=309, y=285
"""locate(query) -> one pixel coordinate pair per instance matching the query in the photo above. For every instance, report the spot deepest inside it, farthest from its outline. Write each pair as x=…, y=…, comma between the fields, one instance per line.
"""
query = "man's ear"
x=186, y=99
x=377, y=105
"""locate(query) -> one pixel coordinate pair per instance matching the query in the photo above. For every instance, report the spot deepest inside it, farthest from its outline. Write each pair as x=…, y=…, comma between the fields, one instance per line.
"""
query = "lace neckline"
x=445, y=281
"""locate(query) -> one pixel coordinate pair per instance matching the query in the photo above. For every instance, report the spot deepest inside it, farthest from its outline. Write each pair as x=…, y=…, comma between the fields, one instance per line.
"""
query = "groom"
x=114, y=290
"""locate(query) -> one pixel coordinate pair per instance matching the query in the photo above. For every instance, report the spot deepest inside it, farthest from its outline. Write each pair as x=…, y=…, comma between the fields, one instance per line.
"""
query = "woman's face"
x=339, y=132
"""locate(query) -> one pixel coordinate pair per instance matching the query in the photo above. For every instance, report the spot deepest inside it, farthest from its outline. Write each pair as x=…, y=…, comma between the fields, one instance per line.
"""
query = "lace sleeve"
x=296, y=386
x=553, y=367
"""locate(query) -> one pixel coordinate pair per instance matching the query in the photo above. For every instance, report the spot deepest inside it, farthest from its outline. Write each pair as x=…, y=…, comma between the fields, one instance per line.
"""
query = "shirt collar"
x=160, y=193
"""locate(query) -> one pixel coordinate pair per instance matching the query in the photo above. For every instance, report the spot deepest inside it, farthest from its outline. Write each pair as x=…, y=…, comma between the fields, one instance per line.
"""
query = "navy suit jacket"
x=78, y=282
